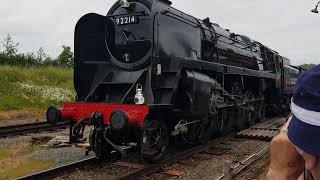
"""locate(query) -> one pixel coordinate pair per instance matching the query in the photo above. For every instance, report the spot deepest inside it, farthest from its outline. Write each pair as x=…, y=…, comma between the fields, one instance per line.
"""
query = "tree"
x=29, y=59
x=10, y=47
x=66, y=57
x=51, y=62
x=41, y=55
x=307, y=66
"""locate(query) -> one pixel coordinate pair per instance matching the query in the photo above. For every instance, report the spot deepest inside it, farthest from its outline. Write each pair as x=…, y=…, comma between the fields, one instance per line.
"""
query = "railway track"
x=244, y=164
x=262, y=131
x=51, y=173
x=145, y=171
x=10, y=131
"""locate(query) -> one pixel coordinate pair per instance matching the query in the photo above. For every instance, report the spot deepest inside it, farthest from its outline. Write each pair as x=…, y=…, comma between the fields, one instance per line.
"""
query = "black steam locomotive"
x=147, y=71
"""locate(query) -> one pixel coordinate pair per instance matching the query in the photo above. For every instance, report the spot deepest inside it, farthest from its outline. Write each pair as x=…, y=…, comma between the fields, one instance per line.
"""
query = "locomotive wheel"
x=199, y=133
x=252, y=113
x=205, y=130
x=261, y=111
x=241, y=119
x=251, y=120
x=223, y=125
x=190, y=137
x=157, y=138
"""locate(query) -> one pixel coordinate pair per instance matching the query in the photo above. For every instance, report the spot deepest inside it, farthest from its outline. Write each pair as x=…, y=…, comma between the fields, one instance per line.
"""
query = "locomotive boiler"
x=146, y=72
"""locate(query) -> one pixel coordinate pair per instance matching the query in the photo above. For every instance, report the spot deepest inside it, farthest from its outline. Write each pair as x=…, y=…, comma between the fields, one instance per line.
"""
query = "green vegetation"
x=10, y=56
x=307, y=66
x=29, y=84
x=14, y=162
x=35, y=88
x=17, y=168
x=34, y=81
x=66, y=57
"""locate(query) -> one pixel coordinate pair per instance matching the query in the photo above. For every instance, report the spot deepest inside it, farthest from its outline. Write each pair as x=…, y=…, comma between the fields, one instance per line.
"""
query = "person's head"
x=304, y=128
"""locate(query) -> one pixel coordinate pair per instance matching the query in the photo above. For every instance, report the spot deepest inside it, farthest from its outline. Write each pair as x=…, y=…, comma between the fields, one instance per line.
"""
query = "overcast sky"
x=286, y=26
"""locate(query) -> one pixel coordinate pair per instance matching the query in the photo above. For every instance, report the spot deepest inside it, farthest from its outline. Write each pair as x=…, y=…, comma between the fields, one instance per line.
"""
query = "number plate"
x=127, y=20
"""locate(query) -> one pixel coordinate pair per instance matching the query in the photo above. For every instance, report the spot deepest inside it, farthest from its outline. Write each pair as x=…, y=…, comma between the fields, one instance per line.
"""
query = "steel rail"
x=29, y=128
x=153, y=168
x=54, y=172
x=137, y=174
x=241, y=166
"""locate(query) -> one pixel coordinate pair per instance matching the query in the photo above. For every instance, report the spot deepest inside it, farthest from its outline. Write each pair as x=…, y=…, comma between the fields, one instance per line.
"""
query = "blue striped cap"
x=304, y=128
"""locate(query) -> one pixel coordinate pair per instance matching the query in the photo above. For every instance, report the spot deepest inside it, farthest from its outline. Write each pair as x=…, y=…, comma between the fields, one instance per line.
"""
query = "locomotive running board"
x=222, y=68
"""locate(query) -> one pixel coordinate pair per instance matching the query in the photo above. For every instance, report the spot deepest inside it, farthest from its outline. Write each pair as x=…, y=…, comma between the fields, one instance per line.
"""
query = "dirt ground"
x=200, y=166
x=17, y=117
x=23, y=155
x=26, y=154
x=29, y=153
x=257, y=171
x=232, y=153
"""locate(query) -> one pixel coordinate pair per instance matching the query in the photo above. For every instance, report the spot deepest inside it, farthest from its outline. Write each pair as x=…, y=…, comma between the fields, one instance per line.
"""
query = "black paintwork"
x=111, y=59
x=190, y=69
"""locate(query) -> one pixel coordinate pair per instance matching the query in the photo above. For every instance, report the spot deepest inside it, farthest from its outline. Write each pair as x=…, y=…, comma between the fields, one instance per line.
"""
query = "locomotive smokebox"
x=53, y=115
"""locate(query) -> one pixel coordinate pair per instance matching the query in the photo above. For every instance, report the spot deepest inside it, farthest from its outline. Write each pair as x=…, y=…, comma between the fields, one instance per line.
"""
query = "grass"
x=24, y=93
x=34, y=88
x=13, y=162
x=18, y=168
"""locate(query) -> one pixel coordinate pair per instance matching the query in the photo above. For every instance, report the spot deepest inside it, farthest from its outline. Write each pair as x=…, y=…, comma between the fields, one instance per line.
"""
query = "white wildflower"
x=44, y=93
